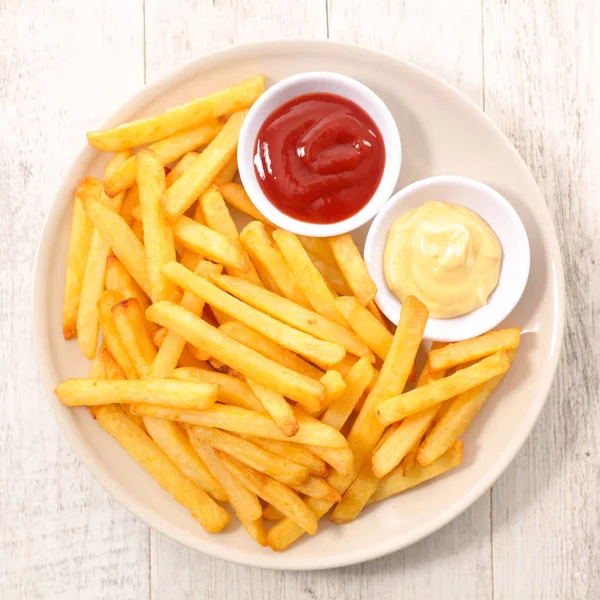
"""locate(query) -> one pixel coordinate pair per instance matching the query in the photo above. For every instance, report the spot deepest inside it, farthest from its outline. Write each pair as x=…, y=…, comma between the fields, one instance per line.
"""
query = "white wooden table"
x=533, y=66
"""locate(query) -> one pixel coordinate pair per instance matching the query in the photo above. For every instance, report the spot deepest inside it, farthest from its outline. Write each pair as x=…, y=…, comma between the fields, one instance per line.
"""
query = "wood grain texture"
x=66, y=65
x=63, y=67
x=542, y=60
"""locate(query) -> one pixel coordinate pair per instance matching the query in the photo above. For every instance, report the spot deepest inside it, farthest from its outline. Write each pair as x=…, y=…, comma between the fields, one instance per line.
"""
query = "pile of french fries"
x=250, y=367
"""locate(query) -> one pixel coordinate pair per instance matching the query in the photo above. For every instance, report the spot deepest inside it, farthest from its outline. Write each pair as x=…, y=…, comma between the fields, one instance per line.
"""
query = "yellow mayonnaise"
x=445, y=255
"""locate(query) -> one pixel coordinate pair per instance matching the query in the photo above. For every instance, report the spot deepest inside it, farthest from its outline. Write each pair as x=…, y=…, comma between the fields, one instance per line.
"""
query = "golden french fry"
x=178, y=118
x=474, y=349
x=403, y=405
x=173, y=441
x=121, y=239
x=356, y=496
x=409, y=433
x=166, y=151
x=248, y=422
x=158, y=237
x=129, y=320
x=139, y=445
x=277, y=407
x=269, y=260
x=273, y=492
x=199, y=175
x=286, y=531
x=256, y=530
x=236, y=195
x=159, y=392
x=316, y=487
x=294, y=315
x=254, y=456
x=227, y=173
x=80, y=239
x=310, y=280
x=232, y=390
x=245, y=503
x=267, y=347
x=112, y=338
x=235, y=355
x=358, y=378
x=170, y=350
x=217, y=217
x=104, y=366
x=340, y=459
x=367, y=428
x=270, y=513
x=376, y=312
x=206, y=242
x=304, y=344
x=334, y=384
x=131, y=203
x=397, y=481
x=353, y=267
x=183, y=163
x=119, y=279
x=456, y=418
x=294, y=452
x=365, y=325
x=138, y=229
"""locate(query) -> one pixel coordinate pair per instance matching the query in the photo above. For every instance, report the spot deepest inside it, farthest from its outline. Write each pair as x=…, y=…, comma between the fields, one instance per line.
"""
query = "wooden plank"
x=541, y=88
x=63, y=67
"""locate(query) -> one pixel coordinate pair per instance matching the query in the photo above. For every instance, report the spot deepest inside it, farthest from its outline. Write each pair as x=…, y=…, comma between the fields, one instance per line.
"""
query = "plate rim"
x=162, y=525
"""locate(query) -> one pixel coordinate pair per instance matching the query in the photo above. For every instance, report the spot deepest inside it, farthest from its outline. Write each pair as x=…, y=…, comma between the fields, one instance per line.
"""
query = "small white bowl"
x=498, y=214
x=325, y=83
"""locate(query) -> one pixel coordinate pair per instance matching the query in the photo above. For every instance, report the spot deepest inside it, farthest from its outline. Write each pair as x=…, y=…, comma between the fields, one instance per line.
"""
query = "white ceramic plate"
x=442, y=134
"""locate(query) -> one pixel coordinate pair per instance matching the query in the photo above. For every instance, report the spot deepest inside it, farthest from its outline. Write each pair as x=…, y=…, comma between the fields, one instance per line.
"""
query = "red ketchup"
x=319, y=158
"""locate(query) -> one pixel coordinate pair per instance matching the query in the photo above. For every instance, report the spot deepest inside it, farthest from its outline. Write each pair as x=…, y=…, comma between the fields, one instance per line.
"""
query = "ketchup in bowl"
x=319, y=158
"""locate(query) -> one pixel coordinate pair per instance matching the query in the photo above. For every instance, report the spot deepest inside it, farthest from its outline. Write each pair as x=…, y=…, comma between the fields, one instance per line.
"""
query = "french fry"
x=139, y=445
x=267, y=347
x=256, y=530
x=111, y=334
x=121, y=239
x=129, y=320
x=403, y=405
x=397, y=481
x=170, y=350
x=264, y=252
x=293, y=339
x=409, y=433
x=235, y=355
x=227, y=173
x=232, y=391
x=183, y=163
x=248, y=422
x=456, y=418
x=365, y=325
x=277, y=407
x=474, y=349
x=173, y=441
x=211, y=244
x=166, y=151
x=294, y=315
x=273, y=492
x=318, y=488
x=376, y=312
x=254, y=456
x=245, y=503
x=119, y=279
x=357, y=380
x=158, y=237
x=159, y=392
x=340, y=459
x=138, y=229
x=353, y=268
x=179, y=118
x=286, y=531
x=217, y=217
x=367, y=429
x=310, y=280
x=294, y=452
x=356, y=496
x=235, y=195
x=80, y=239
x=335, y=386
x=198, y=176
x=104, y=366
x=270, y=513
x=131, y=203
